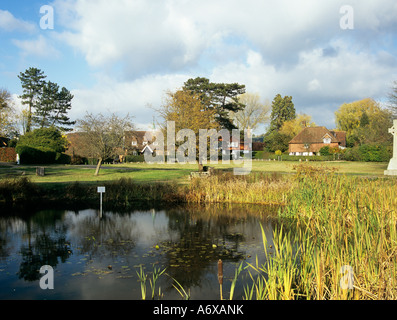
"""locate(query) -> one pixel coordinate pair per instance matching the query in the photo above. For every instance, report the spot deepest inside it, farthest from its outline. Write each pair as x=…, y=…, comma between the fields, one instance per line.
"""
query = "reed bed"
x=228, y=188
x=344, y=239
x=345, y=231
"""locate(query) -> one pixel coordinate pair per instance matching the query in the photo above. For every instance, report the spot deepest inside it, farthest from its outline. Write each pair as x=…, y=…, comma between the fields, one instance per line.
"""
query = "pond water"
x=98, y=256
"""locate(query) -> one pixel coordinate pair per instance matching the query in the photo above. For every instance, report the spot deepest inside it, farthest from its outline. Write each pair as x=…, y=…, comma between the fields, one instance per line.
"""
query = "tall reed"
x=255, y=188
x=339, y=221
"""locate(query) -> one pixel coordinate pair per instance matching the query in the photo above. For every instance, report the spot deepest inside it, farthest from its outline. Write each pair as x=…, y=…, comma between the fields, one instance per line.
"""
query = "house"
x=311, y=139
x=235, y=146
x=135, y=143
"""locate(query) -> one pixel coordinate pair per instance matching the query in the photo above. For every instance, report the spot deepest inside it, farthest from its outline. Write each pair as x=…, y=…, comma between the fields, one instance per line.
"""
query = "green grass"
x=346, y=167
x=143, y=172
x=137, y=172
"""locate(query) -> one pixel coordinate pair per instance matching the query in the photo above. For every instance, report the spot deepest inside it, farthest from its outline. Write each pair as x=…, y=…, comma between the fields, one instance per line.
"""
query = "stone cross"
x=393, y=130
x=392, y=168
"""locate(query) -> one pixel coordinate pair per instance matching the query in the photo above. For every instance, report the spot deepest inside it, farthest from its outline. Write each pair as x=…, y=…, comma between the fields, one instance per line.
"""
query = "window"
x=134, y=143
x=327, y=140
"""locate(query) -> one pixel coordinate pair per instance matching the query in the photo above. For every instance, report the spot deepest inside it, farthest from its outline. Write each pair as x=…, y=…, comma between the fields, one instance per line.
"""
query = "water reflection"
x=96, y=256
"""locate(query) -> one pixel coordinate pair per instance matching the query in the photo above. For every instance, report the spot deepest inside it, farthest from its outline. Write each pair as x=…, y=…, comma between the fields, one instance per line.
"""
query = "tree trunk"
x=98, y=166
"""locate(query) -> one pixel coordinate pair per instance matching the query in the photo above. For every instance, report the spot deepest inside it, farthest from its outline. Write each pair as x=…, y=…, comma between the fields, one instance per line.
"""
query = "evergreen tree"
x=53, y=107
x=64, y=105
x=32, y=81
x=364, y=120
x=221, y=97
x=46, y=103
x=48, y=106
x=283, y=109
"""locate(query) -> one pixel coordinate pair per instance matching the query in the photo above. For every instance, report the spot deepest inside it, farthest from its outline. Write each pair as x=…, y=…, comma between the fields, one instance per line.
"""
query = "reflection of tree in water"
x=204, y=238
x=46, y=250
x=6, y=223
x=46, y=245
x=113, y=235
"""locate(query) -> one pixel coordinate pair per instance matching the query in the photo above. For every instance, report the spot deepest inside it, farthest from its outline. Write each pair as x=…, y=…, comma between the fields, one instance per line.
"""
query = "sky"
x=123, y=55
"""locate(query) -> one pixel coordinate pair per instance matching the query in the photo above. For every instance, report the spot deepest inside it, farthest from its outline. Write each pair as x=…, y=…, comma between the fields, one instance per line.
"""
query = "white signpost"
x=100, y=191
x=392, y=168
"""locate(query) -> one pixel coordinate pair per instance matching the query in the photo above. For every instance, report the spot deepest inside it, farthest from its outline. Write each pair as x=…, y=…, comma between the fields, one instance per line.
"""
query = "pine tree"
x=48, y=106
x=53, y=107
x=32, y=81
x=62, y=108
x=221, y=97
x=46, y=103
x=283, y=109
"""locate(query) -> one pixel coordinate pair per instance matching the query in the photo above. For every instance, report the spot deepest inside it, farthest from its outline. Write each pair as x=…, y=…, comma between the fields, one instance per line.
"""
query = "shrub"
x=62, y=158
x=29, y=155
x=369, y=153
x=131, y=158
x=286, y=157
x=374, y=152
x=324, y=151
x=258, y=154
x=352, y=154
x=75, y=159
x=17, y=190
x=49, y=138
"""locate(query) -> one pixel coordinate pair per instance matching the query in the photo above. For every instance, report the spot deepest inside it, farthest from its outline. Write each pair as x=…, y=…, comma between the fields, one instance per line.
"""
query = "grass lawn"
x=171, y=172
x=345, y=167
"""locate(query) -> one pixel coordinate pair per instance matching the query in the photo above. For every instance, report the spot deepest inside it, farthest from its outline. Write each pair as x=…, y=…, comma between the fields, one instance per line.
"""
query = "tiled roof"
x=316, y=135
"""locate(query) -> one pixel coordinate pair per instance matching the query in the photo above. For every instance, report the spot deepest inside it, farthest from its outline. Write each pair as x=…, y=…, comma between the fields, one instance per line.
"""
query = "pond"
x=97, y=255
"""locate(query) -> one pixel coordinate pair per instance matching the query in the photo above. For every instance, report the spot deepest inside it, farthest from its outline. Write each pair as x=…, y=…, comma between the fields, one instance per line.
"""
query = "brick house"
x=136, y=142
x=311, y=139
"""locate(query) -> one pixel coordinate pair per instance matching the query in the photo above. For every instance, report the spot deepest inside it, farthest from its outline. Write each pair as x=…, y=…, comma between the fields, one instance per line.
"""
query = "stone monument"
x=392, y=168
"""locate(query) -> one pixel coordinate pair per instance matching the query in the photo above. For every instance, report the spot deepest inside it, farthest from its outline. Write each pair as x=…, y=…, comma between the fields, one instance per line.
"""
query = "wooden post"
x=40, y=171
x=220, y=276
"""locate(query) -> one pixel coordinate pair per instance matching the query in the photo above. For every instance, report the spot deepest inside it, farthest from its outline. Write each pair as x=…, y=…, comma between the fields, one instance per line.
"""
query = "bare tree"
x=103, y=136
x=254, y=113
x=7, y=114
x=393, y=99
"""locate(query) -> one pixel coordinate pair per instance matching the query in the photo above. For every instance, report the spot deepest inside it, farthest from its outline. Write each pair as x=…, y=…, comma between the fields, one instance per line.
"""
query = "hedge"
x=369, y=153
x=29, y=155
x=285, y=157
x=8, y=155
x=138, y=158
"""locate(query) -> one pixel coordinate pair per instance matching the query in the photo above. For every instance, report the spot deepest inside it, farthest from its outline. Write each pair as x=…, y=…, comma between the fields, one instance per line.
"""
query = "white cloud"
x=9, y=23
x=313, y=85
x=143, y=36
x=293, y=48
x=125, y=97
x=40, y=47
